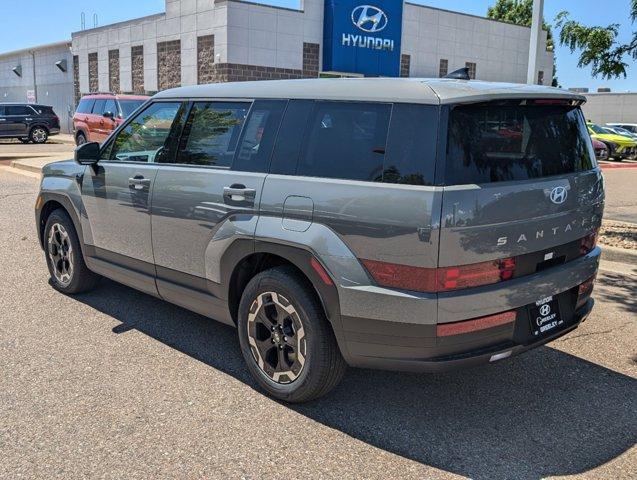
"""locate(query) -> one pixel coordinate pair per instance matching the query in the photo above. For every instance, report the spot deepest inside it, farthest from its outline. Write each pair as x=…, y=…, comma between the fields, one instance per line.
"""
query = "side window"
x=346, y=140
x=111, y=106
x=146, y=136
x=98, y=107
x=85, y=105
x=411, y=146
x=259, y=133
x=17, y=110
x=211, y=133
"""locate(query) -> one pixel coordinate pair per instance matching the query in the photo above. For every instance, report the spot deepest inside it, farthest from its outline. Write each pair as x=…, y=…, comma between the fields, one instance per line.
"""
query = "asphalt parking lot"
x=117, y=384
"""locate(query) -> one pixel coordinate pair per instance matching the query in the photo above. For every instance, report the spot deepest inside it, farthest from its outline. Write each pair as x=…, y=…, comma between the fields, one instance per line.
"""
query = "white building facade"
x=204, y=41
x=611, y=107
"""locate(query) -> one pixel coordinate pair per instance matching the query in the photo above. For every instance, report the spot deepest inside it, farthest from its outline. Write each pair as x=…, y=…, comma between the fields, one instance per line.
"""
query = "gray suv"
x=402, y=224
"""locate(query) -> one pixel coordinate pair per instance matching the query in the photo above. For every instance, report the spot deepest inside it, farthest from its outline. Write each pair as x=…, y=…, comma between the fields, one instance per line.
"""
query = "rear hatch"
x=522, y=195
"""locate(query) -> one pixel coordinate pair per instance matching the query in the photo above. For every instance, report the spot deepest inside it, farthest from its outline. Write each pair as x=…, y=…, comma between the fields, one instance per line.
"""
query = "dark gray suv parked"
x=388, y=223
x=29, y=123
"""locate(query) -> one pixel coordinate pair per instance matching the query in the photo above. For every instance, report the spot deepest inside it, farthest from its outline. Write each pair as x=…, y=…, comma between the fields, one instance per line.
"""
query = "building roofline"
x=36, y=47
x=276, y=7
x=119, y=24
x=468, y=15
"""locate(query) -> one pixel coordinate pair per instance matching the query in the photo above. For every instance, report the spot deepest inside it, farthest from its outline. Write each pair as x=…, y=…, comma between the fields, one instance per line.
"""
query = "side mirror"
x=109, y=115
x=87, y=153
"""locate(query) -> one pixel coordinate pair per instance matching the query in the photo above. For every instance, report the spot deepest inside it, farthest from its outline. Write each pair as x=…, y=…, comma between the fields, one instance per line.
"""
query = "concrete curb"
x=25, y=166
x=619, y=255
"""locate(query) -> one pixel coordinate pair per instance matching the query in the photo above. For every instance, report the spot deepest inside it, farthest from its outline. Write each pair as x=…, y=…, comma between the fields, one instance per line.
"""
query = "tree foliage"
x=520, y=12
x=598, y=45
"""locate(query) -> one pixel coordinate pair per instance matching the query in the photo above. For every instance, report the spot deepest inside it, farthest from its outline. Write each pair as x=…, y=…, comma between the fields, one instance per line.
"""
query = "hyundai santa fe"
x=404, y=224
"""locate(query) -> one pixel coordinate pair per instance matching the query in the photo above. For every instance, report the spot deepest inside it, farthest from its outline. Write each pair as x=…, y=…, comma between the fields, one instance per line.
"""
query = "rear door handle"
x=138, y=182
x=239, y=193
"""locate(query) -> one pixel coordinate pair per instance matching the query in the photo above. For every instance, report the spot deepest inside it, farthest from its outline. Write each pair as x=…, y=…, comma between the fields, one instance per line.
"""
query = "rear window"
x=129, y=106
x=498, y=143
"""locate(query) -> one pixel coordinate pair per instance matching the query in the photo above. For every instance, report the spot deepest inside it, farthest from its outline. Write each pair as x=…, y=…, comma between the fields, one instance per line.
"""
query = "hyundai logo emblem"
x=545, y=310
x=369, y=18
x=558, y=195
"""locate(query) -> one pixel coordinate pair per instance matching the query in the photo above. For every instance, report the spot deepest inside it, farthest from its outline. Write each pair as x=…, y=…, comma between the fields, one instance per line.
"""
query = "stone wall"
x=113, y=71
x=93, y=84
x=137, y=69
x=205, y=59
x=168, y=64
x=76, y=79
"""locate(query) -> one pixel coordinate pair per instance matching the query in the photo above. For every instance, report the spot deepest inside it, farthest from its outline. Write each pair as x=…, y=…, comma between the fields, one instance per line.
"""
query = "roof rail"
x=100, y=93
x=460, y=74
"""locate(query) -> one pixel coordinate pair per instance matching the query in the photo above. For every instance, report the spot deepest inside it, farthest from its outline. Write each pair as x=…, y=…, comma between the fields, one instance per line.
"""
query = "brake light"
x=440, y=279
x=476, y=324
x=589, y=242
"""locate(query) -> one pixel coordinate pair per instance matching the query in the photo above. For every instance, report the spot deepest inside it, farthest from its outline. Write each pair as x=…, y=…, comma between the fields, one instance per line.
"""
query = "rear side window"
x=346, y=141
x=497, y=143
x=257, y=139
x=211, y=133
x=98, y=107
x=411, y=147
x=85, y=105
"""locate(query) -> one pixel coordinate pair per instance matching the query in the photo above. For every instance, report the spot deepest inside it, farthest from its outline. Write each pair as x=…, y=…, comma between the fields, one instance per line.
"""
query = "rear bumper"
x=470, y=358
x=407, y=340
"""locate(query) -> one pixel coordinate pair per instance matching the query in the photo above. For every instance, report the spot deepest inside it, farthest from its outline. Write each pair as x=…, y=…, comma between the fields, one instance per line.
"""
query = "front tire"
x=39, y=135
x=285, y=338
x=80, y=139
x=69, y=273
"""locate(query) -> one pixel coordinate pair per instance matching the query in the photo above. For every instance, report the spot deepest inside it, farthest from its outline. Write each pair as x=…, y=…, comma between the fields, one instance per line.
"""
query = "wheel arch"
x=51, y=202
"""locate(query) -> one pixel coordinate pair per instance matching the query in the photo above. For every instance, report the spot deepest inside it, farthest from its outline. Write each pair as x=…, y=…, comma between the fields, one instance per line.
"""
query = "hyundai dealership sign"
x=363, y=36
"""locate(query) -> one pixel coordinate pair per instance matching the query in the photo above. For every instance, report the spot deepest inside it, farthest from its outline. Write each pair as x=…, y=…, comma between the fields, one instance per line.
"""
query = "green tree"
x=520, y=12
x=598, y=45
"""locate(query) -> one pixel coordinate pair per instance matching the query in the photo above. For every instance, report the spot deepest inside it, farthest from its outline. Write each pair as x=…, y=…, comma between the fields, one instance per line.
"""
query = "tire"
x=39, y=134
x=25, y=140
x=80, y=139
x=303, y=331
x=69, y=273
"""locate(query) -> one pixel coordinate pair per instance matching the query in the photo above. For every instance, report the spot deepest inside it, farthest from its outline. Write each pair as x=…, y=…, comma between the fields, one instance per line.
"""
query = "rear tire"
x=286, y=340
x=69, y=273
x=80, y=139
x=39, y=135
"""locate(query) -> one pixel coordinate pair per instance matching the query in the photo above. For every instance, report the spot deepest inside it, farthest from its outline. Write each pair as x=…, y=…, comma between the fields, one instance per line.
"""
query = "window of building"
x=444, y=67
x=346, y=140
x=472, y=69
x=211, y=133
x=540, y=77
x=146, y=136
x=259, y=133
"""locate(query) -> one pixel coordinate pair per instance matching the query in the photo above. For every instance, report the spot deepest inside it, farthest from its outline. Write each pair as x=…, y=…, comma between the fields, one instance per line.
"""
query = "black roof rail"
x=460, y=74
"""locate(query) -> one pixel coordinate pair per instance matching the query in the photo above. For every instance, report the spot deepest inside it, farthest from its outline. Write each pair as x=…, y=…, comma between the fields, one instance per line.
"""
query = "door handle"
x=138, y=183
x=239, y=193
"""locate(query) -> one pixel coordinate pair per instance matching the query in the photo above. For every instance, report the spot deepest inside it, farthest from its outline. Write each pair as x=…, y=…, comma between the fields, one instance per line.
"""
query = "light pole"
x=534, y=44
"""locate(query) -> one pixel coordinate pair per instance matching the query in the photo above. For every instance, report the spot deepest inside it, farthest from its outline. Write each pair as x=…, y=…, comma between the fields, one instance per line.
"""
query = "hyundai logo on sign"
x=558, y=195
x=369, y=18
x=361, y=37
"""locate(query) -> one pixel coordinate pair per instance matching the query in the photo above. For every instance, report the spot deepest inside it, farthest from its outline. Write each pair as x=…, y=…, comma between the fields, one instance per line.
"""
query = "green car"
x=619, y=147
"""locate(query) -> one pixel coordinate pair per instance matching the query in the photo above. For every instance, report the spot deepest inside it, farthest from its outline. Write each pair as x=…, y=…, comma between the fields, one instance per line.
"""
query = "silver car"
x=405, y=224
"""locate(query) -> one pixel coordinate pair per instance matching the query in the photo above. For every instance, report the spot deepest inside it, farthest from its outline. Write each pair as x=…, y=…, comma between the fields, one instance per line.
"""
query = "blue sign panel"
x=363, y=36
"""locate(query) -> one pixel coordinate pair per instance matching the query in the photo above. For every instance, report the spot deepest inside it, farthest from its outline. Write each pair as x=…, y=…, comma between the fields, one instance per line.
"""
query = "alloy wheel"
x=276, y=337
x=60, y=253
x=39, y=135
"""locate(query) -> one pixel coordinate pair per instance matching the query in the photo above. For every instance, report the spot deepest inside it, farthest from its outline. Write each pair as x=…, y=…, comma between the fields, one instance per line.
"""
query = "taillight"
x=584, y=292
x=476, y=324
x=589, y=242
x=440, y=279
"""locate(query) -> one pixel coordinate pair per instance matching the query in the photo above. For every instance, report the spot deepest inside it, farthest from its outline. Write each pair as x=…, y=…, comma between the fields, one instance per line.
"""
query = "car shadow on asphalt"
x=542, y=414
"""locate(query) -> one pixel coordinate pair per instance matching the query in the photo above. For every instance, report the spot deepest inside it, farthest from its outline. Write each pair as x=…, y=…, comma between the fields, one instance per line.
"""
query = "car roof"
x=433, y=91
x=106, y=96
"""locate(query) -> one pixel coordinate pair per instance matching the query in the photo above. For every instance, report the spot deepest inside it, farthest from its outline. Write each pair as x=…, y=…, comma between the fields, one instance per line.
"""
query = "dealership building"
x=204, y=41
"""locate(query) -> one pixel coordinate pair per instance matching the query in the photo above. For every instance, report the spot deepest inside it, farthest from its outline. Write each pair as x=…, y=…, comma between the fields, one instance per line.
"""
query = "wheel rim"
x=81, y=139
x=61, y=254
x=276, y=337
x=39, y=135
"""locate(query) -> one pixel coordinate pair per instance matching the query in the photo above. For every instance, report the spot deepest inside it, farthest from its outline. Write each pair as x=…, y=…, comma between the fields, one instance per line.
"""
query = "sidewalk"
x=65, y=138
x=35, y=164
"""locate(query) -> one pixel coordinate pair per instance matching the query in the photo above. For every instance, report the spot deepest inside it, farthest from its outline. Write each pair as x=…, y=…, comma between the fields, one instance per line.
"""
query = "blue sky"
x=45, y=21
